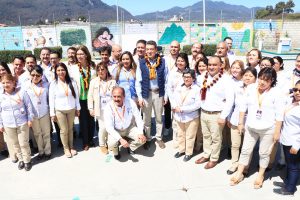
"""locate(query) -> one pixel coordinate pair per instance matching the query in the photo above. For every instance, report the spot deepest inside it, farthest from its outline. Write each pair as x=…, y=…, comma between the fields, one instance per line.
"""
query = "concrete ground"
x=153, y=174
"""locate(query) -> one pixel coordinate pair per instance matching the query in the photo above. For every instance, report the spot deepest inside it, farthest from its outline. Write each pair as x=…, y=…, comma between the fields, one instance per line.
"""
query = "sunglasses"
x=296, y=90
x=36, y=75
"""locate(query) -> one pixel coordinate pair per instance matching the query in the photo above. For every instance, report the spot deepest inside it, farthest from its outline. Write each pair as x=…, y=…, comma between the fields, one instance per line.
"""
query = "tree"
x=261, y=13
x=270, y=9
x=279, y=8
x=288, y=6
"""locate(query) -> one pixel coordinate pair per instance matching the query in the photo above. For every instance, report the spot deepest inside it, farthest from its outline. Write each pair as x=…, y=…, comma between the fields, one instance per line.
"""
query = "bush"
x=72, y=36
x=37, y=51
x=8, y=55
x=208, y=49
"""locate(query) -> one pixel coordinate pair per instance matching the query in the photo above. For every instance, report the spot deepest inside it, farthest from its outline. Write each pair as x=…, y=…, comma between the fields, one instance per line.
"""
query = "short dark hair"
x=229, y=38
x=105, y=48
x=268, y=73
x=46, y=48
x=204, y=60
x=215, y=56
x=141, y=41
x=57, y=53
x=31, y=56
x=71, y=48
x=280, y=60
x=38, y=69
x=184, y=56
x=189, y=71
x=271, y=60
x=152, y=42
x=119, y=88
x=19, y=58
x=252, y=70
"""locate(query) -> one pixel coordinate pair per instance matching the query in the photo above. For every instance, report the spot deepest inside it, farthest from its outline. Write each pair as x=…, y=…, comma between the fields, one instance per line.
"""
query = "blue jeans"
x=293, y=169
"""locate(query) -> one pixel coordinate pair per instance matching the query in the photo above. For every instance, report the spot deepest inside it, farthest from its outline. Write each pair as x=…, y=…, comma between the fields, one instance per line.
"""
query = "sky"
x=137, y=7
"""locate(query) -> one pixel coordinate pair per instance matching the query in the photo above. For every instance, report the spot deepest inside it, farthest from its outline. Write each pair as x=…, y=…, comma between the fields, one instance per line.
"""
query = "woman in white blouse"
x=64, y=105
x=185, y=104
x=253, y=59
x=38, y=92
x=242, y=78
x=290, y=139
x=124, y=75
x=264, y=106
x=99, y=96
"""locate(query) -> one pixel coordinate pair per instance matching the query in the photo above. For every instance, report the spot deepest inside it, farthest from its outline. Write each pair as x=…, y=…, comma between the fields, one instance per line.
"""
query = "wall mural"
x=212, y=33
x=11, y=38
x=170, y=33
x=240, y=33
x=39, y=37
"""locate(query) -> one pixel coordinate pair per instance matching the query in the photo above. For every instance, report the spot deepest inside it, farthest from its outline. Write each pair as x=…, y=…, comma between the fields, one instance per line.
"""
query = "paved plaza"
x=153, y=174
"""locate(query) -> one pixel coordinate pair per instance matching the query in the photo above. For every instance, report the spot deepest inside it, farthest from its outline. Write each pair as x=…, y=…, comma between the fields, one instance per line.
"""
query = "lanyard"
x=186, y=93
x=107, y=86
x=38, y=94
x=120, y=115
x=126, y=74
x=18, y=100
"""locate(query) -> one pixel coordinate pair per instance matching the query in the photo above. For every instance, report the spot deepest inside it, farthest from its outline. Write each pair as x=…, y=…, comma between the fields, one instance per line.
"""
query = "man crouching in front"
x=123, y=121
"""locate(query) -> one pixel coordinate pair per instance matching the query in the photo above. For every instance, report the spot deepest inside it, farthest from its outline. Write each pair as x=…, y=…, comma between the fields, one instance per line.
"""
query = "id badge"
x=258, y=114
x=103, y=102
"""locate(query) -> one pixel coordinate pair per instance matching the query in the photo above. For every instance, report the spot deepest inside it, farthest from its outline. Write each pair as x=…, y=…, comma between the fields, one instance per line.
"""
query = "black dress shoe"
x=177, y=155
x=147, y=145
x=283, y=191
x=48, y=157
x=130, y=151
x=21, y=165
x=117, y=157
x=28, y=166
x=40, y=156
x=278, y=184
x=187, y=158
x=229, y=172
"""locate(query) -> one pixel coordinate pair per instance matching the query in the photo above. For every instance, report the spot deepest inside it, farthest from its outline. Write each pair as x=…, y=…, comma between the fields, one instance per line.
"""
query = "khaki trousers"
x=19, y=138
x=102, y=134
x=186, y=136
x=236, y=141
x=2, y=143
x=155, y=102
x=199, y=138
x=132, y=133
x=65, y=119
x=212, y=136
x=41, y=131
x=265, y=146
x=10, y=148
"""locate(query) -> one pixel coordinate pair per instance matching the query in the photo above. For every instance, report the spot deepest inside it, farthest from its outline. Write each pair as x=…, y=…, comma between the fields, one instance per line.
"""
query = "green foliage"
x=277, y=10
x=262, y=13
x=8, y=56
x=208, y=49
x=37, y=51
x=295, y=16
x=72, y=36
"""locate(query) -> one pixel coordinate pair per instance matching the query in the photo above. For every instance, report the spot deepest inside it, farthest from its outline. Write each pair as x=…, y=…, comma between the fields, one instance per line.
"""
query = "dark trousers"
x=86, y=123
x=293, y=169
x=168, y=120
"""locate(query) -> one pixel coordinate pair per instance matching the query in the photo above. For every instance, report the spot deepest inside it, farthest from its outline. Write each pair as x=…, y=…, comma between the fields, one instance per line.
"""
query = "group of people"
x=214, y=103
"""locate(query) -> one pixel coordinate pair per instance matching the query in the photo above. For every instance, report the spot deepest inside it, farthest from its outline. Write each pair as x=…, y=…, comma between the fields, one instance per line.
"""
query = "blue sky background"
x=137, y=7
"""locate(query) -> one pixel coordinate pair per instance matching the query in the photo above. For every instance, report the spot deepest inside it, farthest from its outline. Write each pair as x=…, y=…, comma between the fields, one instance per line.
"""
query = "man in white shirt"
x=45, y=57
x=116, y=51
x=217, y=98
x=123, y=120
x=174, y=51
x=196, y=49
x=229, y=41
x=222, y=51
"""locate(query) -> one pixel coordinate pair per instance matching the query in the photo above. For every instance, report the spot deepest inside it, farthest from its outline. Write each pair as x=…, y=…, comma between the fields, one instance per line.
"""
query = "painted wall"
x=11, y=38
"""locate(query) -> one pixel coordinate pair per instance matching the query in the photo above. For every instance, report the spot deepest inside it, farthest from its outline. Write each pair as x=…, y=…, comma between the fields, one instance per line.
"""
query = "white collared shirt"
x=272, y=106
x=115, y=120
x=175, y=79
x=188, y=100
x=220, y=97
x=290, y=133
x=59, y=100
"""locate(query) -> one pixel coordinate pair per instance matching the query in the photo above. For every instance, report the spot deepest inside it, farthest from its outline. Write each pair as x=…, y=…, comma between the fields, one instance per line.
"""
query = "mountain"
x=195, y=12
x=33, y=11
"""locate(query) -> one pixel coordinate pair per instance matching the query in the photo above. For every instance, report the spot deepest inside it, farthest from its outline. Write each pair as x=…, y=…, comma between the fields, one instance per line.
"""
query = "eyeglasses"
x=296, y=90
x=36, y=75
